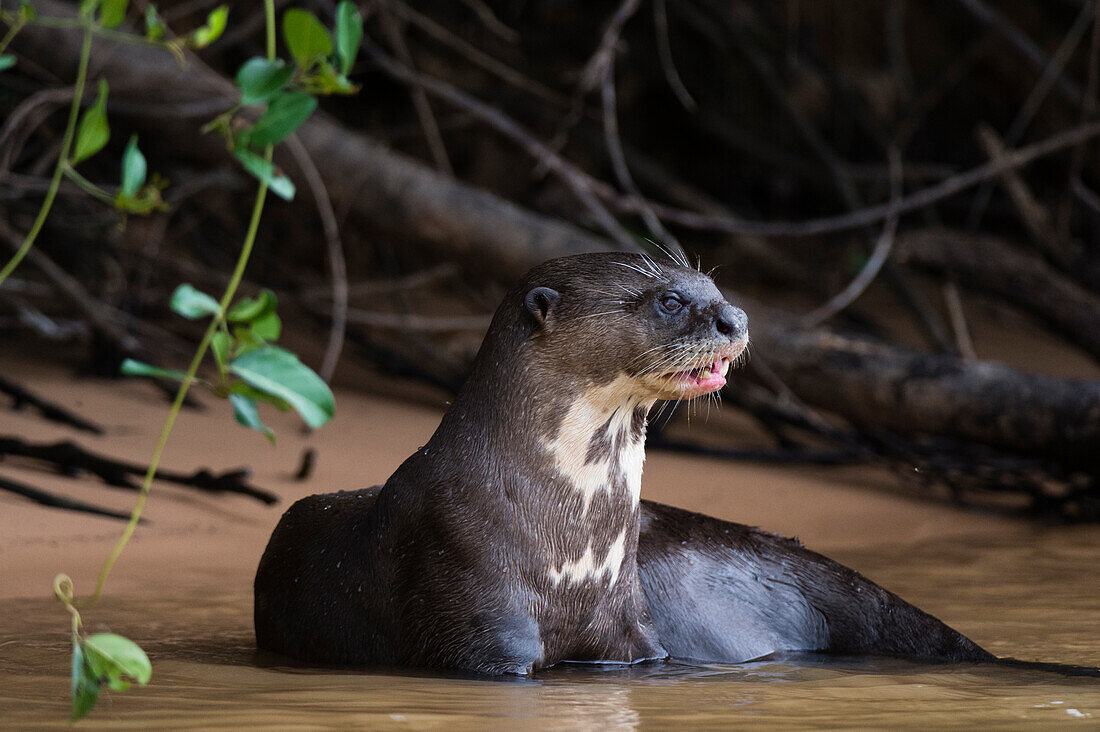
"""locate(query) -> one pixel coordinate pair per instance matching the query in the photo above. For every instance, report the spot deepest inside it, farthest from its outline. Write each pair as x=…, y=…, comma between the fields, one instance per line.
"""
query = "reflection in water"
x=1031, y=599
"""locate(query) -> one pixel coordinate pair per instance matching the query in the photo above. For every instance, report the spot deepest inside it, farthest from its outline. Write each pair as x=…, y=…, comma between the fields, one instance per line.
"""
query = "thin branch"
x=622, y=171
x=1017, y=158
x=874, y=263
x=338, y=271
x=413, y=281
x=1086, y=195
x=1051, y=73
x=476, y=56
x=592, y=74
x=1035, y=218
x=490, y=21
x=958, y=321
x=1088, y=109
x=603, y=58
x=103, y=317
x=420, y=100
x=1023, y=45
x=419, y=323
x=25, y=118
x=584, y=186
x=580, y=184
x=664, y=55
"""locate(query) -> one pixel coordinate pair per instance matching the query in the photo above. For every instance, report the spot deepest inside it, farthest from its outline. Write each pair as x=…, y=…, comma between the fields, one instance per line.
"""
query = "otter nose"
x=731, y=323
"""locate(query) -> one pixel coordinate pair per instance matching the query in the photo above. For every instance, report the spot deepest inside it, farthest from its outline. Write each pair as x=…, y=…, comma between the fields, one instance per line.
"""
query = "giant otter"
x=515, y=538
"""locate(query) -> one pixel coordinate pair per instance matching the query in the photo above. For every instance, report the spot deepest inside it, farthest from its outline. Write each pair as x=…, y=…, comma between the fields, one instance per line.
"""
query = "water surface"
x=1034, y=597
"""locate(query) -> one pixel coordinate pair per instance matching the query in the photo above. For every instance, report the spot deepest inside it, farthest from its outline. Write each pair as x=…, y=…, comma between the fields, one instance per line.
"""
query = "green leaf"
x=221, y=343
x=349, y=34
x=268, y=327
x=265, y=170
x=240, y=387
x=279, y=372
x=118, y=660
x=285, y=114
x=215, y=26
x=85, y=684
x=27, y=12
x=246, y=309
x=145, y=202
x=6, y=61
x=260, y=79
x=130, y=367
x=154, y=28
x=326, y=80
x=246, y=340
x=244, y=409
x=306, y=38
x=133, y=168
x=93, y=132
x=193, y=304
x=112, y=12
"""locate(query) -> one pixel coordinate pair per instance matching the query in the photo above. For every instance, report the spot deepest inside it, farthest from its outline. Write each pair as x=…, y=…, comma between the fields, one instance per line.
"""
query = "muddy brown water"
x=1034, y=601
x=182, y=590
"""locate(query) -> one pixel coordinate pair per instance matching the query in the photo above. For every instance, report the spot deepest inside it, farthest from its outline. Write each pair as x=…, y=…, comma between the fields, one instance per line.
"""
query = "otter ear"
x=540, y=301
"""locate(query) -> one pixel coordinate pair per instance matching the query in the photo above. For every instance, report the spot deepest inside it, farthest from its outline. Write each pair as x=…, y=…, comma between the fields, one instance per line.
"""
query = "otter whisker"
x=672, y=353
x=676, y=355
x=674, y=252
x=648, y=351
x=650, y=264
x=595, y=315
x=639, y=270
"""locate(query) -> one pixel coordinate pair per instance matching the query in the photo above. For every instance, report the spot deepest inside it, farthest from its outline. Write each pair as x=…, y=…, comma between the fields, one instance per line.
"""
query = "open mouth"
x=702, y=379
x=706, y=377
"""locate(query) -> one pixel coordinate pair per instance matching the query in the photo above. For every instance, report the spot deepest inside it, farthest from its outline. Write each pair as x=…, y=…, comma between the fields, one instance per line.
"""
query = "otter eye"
x=670, y=303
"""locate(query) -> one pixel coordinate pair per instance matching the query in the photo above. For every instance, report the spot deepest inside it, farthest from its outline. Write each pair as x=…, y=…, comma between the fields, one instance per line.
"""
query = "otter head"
x=661, y=330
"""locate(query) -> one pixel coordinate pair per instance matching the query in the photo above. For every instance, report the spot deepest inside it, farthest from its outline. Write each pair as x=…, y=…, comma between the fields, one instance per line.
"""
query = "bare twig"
x=476, y=56
x=1088, y=109
x=1018, y=276
x=874, y=263
x=583, y=185
x=578, y=183
x=490, y=21
x=413, y=281
x=1033, y=215
x=420, y=100
x=1051, y=73
x=337, y=265
x=622, y=172
x=955, y=310
x=25, y=118
x=420, y=323
x=1086, y=195
x=105, y=318
x=664, y=54
x=1017, y=158
x=592, y=75
x=603, y=58
x=1023, y=45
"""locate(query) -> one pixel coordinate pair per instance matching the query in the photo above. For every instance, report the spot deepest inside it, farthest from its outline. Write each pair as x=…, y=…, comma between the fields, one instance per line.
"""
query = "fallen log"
x=990, y=264
x=907, y=391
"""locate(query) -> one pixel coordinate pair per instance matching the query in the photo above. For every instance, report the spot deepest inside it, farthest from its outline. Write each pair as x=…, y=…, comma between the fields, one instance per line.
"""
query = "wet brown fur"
x=452, y=563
